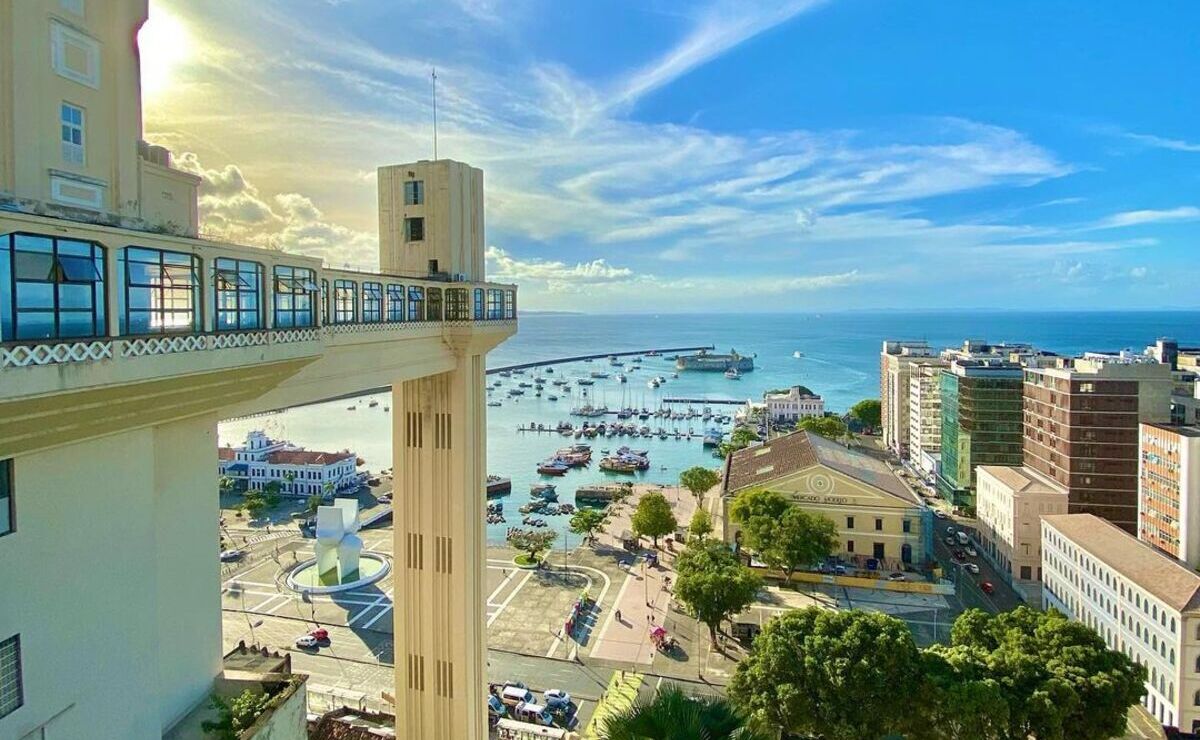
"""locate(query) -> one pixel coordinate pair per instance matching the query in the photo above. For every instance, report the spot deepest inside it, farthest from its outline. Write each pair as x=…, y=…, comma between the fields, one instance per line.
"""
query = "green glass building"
x=981, y=424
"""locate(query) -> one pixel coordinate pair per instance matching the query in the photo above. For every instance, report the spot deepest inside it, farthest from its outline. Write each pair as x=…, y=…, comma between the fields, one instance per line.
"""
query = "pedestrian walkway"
x=620, y=695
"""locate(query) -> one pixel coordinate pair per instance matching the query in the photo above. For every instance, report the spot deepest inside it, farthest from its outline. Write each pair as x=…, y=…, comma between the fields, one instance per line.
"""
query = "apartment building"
x=1168, y=516
x=981, y=423
x=925, y=417
x=1081, y=429
x=1142, y=602
x=1009, y=505
x=895, y=364
x=124, y=339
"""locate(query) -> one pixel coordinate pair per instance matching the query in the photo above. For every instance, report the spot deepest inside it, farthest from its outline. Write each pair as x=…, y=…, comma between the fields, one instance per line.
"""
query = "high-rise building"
x=981, y=423
x=124, y=339
x=1169, y=490
x=1140, y=601
x=925, y=416
x=1081, y=429
x=895, y=362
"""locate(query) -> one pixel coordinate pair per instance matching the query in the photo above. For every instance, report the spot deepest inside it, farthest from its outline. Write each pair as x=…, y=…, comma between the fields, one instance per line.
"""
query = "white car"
x=307, y=641
x=228, y=556
x=971, y=568
x=556, y=699
x=971, y=551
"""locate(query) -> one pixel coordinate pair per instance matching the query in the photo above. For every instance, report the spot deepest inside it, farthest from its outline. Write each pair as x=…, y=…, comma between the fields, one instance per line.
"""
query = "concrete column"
x=439, y=456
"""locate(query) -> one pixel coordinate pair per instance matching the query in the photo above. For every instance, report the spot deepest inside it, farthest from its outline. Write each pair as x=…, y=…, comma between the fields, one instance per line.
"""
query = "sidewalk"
x=620, y=695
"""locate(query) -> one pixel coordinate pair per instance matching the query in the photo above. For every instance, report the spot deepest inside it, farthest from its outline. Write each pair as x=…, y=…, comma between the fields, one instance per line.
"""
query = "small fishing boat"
x=797, y=354
x=539, y=489
x=553, y=467
x=652, y=383
x=498, y=486
x=585, y=381
x=373, y=404
x=621, y=378
x=733, y=374
x=491, y=403
x=350, y=408
x=549, y=371
x=551, y=397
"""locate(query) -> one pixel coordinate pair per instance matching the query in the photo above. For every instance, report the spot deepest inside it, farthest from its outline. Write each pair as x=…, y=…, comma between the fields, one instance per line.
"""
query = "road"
x=968, y=591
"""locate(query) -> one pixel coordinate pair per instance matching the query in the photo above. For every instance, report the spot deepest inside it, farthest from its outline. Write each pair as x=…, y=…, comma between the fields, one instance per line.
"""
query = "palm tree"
x=673, y=715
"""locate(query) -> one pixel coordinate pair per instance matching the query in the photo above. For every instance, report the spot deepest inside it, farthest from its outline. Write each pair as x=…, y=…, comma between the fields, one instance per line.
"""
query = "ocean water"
x=840, y=362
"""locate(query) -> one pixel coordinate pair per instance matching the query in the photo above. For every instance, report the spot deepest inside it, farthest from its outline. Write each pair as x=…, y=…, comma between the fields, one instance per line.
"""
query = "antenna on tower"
x=433, y=74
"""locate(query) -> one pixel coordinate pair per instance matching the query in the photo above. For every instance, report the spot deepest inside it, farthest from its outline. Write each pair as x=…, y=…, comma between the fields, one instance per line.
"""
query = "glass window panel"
x=177, y=258
x=249, y=319
x=35, y=295
x=35, y=324
x=284, y=319
x=33, y=266
x=141, y=273
x=139, y=298
x=77, y=269
x=137, y=254
x=32, y=243
x=75, y=324
x=75, y=296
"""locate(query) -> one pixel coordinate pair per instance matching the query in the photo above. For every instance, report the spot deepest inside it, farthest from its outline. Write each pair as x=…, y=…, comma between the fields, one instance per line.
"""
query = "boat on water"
x=652, y=383
x=505, y=374
x=797, y=354
x=621, y=378
x=712, y=438
x=585, y=381
x=549, y=371
x=553, y=467
x=612, y=360
x=498, y=486
x=350, y=408
x=373, y=404
x=638, y=360
x=733, y=374
x=598, y=374
x=539, y=489
x=490, y=403
x=551, y=397
x=709, y=362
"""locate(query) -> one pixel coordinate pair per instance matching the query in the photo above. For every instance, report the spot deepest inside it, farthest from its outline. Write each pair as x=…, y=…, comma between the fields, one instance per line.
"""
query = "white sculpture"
x=338, y=546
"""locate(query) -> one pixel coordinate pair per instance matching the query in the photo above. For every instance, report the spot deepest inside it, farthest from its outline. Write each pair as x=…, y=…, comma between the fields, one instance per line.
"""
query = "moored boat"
x=498, y=486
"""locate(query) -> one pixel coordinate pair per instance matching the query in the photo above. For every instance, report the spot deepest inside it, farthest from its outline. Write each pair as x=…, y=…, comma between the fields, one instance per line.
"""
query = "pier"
x=599, y=356
x=706, y=401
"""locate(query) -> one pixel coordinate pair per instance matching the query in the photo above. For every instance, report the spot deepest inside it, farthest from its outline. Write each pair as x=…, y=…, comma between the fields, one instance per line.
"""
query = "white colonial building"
x=299, y=472
x=1142, y=602
x=792, y=405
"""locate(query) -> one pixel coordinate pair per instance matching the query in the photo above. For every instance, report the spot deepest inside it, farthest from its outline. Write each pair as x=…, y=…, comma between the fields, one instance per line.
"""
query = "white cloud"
x=1136, y=218
x=504, y=266
x=1159, y=142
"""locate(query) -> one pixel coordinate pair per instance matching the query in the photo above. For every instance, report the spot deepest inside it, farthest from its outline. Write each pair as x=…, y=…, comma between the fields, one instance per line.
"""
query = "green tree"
x=701, y=525
x=225, y=484
x=532, y=541
x=756, y=511
x=588, y=522
x=254, y=503
x=829, y=427
x=272, y=499
x=831, y=674
x=673, y=715
x=713, y=584
x=653, y=517
x=868, y=412
x=235, y=716
x=798, y=539
x=1057, y=677
x=960, y=699
x=699, y=480
x=739, y=439
x=314, y=502
x=273, y=487
x=328, y=489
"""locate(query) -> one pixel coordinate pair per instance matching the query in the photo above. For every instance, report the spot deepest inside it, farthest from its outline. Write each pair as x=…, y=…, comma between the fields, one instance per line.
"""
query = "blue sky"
x=682, y=156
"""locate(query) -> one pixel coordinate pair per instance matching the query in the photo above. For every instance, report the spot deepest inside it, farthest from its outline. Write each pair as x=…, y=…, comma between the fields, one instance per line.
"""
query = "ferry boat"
x=497, y=486
x=616, y=465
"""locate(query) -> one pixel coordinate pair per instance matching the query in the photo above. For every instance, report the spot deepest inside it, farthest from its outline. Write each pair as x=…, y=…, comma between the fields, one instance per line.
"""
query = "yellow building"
x=124, y=339
x=877, y=516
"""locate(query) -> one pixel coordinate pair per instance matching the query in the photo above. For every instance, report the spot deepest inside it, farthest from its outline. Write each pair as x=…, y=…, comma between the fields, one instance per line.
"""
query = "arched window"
x=1196, y=699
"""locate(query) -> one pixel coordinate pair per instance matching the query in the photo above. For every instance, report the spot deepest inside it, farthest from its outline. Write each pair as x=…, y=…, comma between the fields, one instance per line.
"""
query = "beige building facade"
x=877, y=516
x=925, y=416
x=1009, y=505
x=124, y=340
x=1140, y=601
x=895, y=365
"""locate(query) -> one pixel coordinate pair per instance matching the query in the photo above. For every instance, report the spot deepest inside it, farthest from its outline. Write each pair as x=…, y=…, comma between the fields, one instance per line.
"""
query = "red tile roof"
x=225, y=453
x=307, y=457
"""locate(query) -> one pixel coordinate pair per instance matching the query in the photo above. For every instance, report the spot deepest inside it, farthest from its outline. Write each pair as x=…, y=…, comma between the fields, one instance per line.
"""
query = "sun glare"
x=164, y=43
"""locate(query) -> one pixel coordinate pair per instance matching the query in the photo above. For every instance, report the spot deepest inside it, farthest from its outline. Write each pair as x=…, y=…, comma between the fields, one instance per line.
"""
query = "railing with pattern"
x=32, y=355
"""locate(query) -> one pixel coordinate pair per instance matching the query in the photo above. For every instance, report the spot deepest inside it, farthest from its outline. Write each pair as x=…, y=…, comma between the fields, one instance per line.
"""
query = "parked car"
x=320, y=634
x=897, y=577
x=515, y=696
x=496, y=707
x=972, y=568
x=536, y=714
x=987, y=587
x=385, y=498
x=229, y=556
x=307, y=641
x=556, y=699
x=950, y=530
x=939, y=513
x=518, y=684
x=962, y=537
x=971, y=551
x=949, y=540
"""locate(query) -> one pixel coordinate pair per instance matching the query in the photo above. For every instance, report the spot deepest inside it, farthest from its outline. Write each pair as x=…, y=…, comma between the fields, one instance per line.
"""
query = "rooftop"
x=1023, y=479
x=1162, y=576
x=782, y=456
x=1183, y=430
x=307, y=457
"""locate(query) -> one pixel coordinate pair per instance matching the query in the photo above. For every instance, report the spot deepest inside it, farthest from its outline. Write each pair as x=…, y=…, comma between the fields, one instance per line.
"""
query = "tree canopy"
x=868, y=412
x=756, y=511
x=698, y=480
x=797, y=539
x=1013, y=676
x=829, y=427
x=532, y=541
x=673, y=715
x=588, y=522
x=713, y=583
x=837, y=675
x=701, y=525
x=653, y=517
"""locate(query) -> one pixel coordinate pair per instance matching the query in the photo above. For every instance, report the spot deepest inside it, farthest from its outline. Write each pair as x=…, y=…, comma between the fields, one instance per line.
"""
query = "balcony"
x=183, y=326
